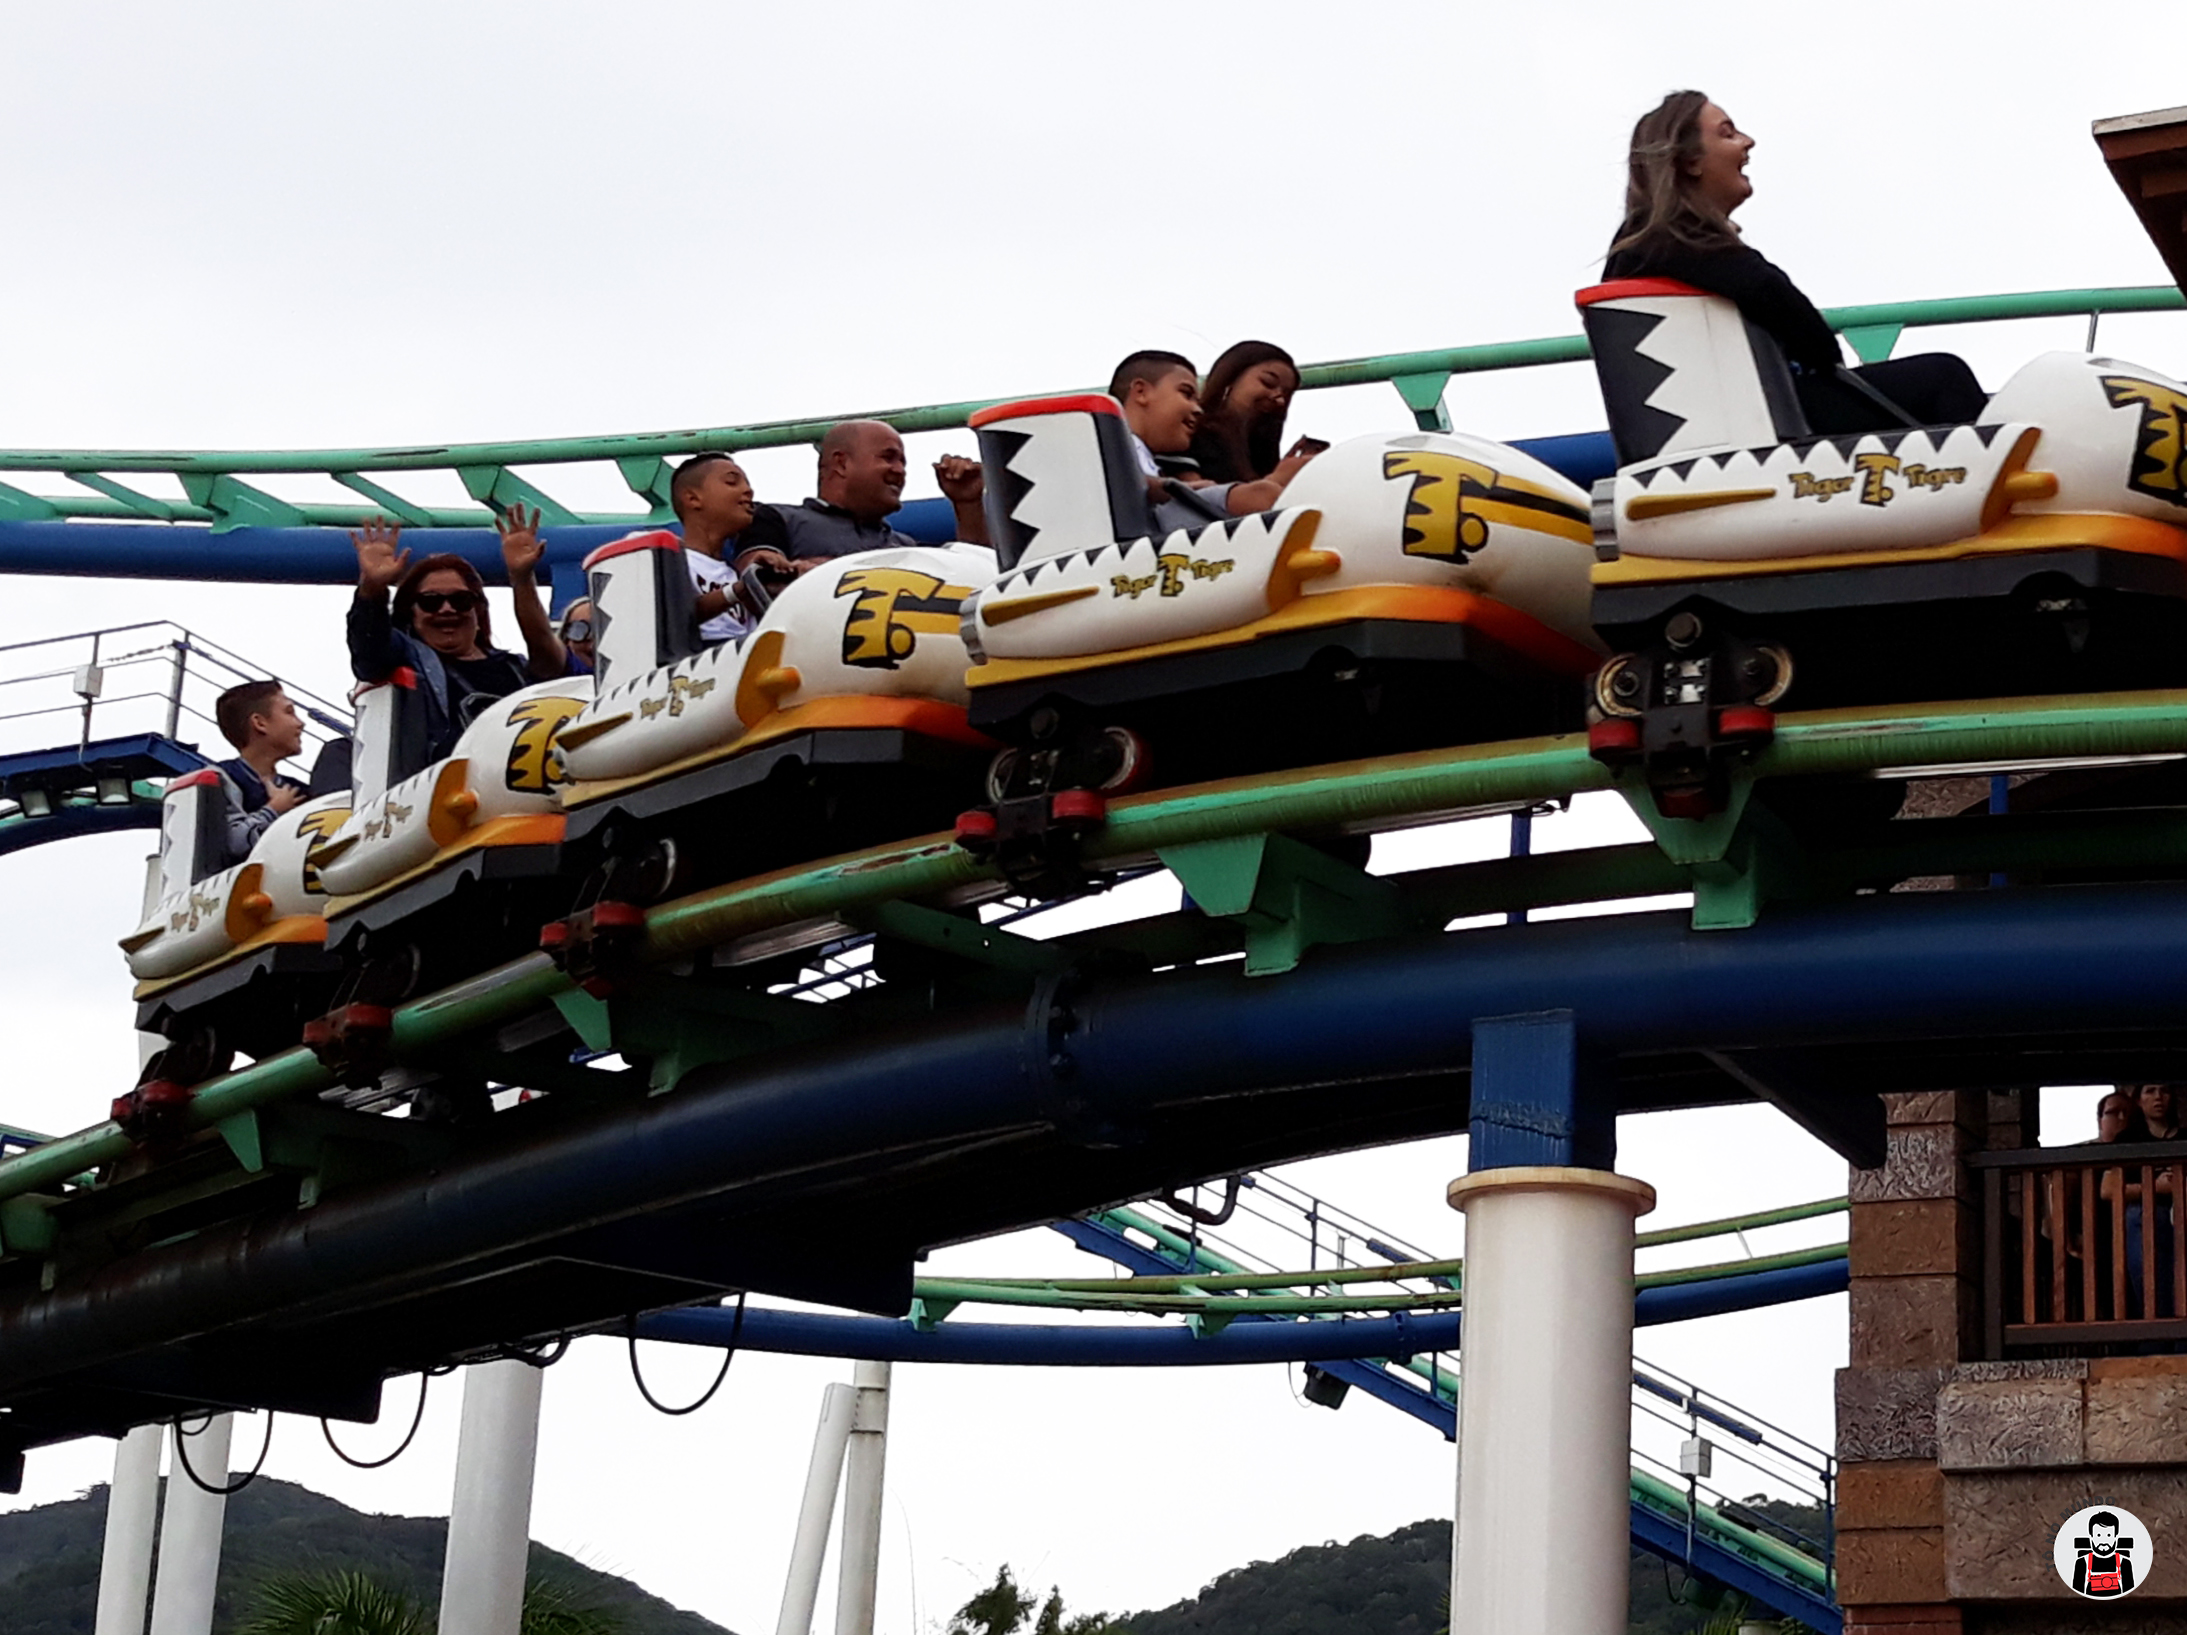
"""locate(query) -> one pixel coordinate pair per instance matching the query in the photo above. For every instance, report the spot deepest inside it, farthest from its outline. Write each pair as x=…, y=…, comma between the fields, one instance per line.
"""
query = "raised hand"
x=521, y=546
x=963, y=481
x=381, y=562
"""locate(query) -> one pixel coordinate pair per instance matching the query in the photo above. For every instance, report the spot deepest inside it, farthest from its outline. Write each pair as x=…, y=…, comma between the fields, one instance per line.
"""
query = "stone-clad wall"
x=1956, y=1473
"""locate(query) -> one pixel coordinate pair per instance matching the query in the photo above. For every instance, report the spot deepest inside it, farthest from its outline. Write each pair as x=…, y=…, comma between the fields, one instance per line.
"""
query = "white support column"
x=859, y=1587
x=189, y=1532
x=1542, y=1545
x=801, y=1593
x=490, y=1516
x=132, y=1507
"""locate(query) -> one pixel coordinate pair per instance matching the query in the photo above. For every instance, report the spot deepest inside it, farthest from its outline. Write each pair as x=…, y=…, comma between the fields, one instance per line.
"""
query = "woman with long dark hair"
x=1243, y=403
x=1685, y=176
x=438, y=628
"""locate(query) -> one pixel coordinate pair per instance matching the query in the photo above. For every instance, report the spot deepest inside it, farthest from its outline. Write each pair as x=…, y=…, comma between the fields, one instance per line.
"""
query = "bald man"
x=861, y=485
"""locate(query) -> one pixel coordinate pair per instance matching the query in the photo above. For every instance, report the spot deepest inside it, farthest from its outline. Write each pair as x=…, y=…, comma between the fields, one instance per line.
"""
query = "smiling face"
x=865, y=474
x=1719, y=173
x=1264, y=389
x=1165, y=412
x=282, y=726
x=446, y=615
x=721, y=498
x=579, y=619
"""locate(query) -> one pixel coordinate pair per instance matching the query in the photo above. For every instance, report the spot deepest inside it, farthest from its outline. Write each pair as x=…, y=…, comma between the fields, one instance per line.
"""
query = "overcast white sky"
x=280, y=226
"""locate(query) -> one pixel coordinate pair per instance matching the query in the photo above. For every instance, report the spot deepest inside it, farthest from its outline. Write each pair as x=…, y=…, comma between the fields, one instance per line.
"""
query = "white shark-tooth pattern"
x=1068, y=502
x=1717, y=406
x=1190, y=582
x=1825, y=495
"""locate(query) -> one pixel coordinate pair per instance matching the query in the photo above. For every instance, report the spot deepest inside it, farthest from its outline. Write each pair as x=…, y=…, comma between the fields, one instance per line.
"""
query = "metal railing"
x=213, y=489
x=151, y=678
x=2084, y=1246
x=1700, y=1462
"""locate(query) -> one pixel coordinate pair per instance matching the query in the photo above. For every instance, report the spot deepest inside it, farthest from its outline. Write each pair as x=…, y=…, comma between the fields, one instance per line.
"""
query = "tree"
x=999, y=1609
x=356, y=1604
x=1002, y=1607
x=332, y=1604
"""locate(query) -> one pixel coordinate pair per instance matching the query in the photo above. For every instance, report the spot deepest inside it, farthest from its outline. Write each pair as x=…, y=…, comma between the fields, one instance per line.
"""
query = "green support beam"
x=1872, y=343
x=1423, y=395
x=142, y=505
x=499, y=488
x=18, y=506
x=391, y=503
x=235, y=504
x=647, y=476
x=1286, y=896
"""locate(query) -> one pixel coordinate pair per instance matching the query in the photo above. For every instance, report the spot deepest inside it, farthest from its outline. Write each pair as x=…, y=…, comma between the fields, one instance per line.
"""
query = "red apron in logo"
x=2103, y=1583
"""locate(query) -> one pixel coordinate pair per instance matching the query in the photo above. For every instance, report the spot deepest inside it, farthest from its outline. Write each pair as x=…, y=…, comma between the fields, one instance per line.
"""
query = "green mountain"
x=49, y=1561
x=1394, y=1585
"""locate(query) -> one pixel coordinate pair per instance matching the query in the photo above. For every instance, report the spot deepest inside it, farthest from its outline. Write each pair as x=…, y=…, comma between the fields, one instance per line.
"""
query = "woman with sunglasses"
x=576, y=631
x=438, y=627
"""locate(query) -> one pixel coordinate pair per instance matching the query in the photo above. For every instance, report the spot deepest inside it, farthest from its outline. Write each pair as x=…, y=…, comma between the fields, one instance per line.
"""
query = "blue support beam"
x=74, y=821
x=33, y=541
x=139, y=755
x=1538, y=1096
x=1248, y=1339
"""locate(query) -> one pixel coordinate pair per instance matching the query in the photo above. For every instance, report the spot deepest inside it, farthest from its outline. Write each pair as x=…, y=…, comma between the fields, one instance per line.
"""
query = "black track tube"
x=1972, y=966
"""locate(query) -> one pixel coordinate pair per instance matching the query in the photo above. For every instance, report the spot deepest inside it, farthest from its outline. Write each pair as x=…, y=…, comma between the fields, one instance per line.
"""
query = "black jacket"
x=1769, y=299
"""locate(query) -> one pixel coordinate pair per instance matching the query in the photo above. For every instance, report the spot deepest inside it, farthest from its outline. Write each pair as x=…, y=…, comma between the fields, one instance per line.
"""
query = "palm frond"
x=345, y=1603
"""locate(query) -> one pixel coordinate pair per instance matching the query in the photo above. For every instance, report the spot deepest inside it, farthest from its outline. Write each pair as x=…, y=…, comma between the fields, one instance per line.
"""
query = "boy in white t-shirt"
x=712, y=498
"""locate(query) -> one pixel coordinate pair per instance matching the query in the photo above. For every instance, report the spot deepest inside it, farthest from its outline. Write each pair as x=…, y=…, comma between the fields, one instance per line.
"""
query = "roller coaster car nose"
x=594, y=945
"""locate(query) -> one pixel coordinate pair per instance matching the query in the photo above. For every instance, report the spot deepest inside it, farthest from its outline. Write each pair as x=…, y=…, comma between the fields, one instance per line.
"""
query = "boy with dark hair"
x=1160, y=394
x=261, y=721
x=712, y=498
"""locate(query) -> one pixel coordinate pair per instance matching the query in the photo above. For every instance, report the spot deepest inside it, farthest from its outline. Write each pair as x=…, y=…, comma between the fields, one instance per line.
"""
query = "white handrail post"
x=132, y=1508
x=490, y=1515
x=859, y=1587
x=190, y=1528
x=808, y=1553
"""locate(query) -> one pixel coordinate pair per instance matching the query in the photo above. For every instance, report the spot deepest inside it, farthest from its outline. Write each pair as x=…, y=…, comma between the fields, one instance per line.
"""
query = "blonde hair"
x=1662, y=205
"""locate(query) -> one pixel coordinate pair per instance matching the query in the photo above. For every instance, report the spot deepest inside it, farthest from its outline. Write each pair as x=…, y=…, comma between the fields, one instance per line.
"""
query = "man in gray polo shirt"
x=861, y=484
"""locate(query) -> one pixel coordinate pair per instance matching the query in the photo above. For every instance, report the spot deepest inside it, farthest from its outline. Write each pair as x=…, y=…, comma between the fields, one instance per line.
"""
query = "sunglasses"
x=455, y=601
x=577, y=630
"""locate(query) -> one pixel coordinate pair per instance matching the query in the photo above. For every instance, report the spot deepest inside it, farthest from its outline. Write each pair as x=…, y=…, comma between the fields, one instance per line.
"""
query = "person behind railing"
x=438, y=628
x=1160, y=395
x=263, y=724
x=1686, y=174
x=861, y=485
x=2119, y=1122
x=2159, y=1105
x=1243, y=403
